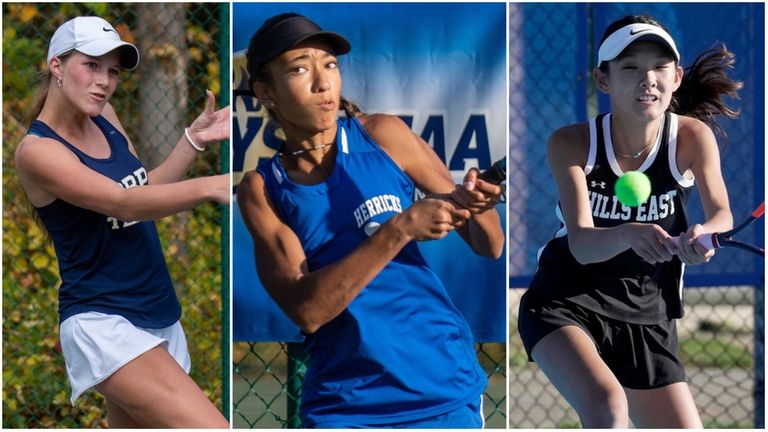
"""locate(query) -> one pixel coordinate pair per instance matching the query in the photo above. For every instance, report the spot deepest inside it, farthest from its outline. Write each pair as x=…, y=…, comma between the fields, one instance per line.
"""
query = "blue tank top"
x=401, y=350
x=107, y=265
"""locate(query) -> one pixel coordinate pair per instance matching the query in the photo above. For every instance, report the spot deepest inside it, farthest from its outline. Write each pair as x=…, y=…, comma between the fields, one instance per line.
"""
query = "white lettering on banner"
x=459, y=148
x=657, y=207
x=375, y=206
x=136, y=178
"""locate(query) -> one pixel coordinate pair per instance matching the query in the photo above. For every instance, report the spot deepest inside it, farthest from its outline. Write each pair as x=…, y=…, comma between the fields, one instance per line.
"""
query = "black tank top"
x=624, y=287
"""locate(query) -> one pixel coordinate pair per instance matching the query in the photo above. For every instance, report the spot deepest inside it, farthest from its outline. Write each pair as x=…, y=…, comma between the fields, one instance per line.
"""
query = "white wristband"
x=192, y=143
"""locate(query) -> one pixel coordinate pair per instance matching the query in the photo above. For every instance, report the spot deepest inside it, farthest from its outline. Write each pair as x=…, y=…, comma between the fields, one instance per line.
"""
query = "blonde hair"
x=39, y=98
x=41, y=93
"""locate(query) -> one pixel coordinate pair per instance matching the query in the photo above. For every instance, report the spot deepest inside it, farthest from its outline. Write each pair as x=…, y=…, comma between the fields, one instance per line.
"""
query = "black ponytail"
x=705, y=84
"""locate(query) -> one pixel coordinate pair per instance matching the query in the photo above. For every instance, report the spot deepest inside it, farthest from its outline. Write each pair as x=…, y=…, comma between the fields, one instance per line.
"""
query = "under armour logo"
x=596, y=184
x=107, y=29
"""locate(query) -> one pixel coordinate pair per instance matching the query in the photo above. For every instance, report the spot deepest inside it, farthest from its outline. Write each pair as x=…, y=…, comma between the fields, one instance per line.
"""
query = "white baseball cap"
x=92, y=36
x=619, y=40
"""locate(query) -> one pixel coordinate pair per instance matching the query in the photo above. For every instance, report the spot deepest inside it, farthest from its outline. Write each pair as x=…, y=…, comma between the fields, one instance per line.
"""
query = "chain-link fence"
x=267, y=384
x=181, y=55
x=552, y=49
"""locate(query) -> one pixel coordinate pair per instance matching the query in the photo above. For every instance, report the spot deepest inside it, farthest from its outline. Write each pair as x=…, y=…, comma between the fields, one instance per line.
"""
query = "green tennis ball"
x=633, y=188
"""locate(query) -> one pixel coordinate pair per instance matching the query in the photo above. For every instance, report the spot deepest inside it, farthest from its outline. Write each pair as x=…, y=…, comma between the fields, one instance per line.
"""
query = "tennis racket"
x=497, y=173
x=725, y=239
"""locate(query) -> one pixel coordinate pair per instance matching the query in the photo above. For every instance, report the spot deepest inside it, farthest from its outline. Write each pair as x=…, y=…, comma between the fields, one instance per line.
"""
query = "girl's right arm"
x=47, y=170
x=311, y=299
x=567, y=150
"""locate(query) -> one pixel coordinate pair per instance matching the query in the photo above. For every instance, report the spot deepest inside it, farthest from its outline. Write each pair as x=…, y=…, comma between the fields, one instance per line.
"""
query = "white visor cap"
x=92, y=36
x=619, y=40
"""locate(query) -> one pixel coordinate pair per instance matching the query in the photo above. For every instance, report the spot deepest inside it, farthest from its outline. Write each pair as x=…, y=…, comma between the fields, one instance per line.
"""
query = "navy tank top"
x=108, y=265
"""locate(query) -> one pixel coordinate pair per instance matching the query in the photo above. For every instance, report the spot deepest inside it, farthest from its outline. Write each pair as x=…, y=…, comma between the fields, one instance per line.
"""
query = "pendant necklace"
x=633, y=155
x=317, y=147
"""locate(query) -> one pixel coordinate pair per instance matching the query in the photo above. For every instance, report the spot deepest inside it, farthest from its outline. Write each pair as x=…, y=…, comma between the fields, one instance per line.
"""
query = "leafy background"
x=35, y=388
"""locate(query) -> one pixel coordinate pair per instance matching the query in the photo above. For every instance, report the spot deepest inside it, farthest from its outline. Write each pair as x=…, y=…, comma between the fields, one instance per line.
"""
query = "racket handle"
x=709, y=241
x=496, y=174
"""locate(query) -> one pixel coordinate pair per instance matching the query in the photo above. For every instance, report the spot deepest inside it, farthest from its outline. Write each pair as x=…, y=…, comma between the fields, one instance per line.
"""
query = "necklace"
x=317, y=147
x=633, y=155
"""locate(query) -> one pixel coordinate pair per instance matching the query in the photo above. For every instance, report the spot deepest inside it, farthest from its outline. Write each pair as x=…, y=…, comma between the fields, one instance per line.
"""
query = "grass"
x=712, y=326
x=706, y=351
x=729, y=425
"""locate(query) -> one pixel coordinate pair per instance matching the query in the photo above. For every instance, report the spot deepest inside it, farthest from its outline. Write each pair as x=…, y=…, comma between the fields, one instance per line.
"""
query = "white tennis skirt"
x=96, y=345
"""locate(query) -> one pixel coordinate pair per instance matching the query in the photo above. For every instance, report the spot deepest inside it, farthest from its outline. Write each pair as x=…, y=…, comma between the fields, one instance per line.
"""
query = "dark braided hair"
x=705, y=83
x=350, y=108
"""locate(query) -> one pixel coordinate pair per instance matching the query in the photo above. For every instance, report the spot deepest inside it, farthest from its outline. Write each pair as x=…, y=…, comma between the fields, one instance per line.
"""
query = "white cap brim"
x=129, y=54
x=619, y=40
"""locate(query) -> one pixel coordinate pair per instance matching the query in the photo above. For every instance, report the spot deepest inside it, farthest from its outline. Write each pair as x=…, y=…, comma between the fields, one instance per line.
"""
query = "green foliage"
x=35, y=387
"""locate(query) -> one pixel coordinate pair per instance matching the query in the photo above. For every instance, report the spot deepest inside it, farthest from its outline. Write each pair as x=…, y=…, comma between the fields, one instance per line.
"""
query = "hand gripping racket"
x=725, y=239
x=497, y=173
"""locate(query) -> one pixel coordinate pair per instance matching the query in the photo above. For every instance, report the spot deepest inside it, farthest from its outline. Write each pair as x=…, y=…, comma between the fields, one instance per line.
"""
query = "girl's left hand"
x=689, y=250
x=210, y=126
x=476, y=195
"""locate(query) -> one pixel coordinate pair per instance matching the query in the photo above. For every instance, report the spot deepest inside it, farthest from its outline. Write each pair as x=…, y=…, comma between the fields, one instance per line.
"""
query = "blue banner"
x=442, y=69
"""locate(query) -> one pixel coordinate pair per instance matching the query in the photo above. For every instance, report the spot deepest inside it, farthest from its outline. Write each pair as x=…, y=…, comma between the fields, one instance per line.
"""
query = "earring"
x=270, y=104
x=58, y=82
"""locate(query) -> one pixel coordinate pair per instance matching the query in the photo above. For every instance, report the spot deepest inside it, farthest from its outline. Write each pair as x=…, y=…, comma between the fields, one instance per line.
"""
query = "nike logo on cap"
x=107, y=29
x=634, y=32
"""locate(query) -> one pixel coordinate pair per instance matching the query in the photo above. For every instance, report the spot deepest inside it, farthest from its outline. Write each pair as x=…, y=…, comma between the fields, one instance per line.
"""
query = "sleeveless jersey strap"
x=595, y=140
x=344, y=145
x=41, y=129
x=113, y=136
x=672, y=152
